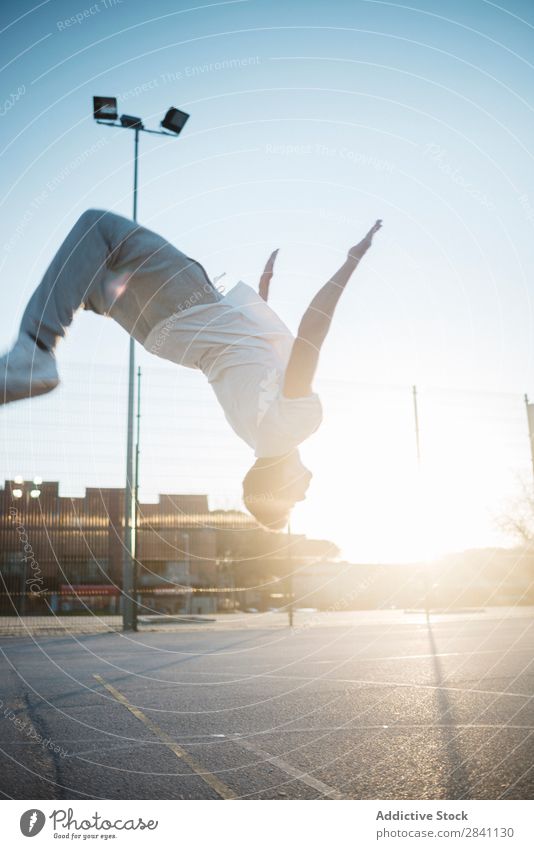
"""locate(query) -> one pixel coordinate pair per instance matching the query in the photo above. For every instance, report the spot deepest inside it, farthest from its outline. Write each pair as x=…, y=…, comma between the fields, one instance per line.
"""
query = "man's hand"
x=358, y=251
x=265, y=279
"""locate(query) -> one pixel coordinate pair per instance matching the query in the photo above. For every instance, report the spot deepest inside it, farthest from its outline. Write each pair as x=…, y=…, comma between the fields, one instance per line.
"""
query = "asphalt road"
x=373, y=706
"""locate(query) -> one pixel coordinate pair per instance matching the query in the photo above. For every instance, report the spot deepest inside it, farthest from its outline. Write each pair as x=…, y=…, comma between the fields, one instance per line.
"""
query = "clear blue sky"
x=309, y=120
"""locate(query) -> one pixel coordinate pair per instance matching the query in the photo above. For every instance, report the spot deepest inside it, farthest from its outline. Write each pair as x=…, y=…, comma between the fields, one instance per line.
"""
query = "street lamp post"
x=105, y=112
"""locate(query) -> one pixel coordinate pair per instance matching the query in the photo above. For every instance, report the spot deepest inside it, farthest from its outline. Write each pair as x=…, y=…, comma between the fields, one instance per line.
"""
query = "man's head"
x=272, y=487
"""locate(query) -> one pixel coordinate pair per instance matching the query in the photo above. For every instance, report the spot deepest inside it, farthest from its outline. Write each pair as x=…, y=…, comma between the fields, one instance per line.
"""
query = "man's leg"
x=104, y=258
x=77, y=267
x=147, y=279
x=29, y=369
x=111, y=265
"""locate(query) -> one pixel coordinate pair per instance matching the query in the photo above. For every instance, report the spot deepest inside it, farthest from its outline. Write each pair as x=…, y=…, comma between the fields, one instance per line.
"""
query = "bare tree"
x=517, y=517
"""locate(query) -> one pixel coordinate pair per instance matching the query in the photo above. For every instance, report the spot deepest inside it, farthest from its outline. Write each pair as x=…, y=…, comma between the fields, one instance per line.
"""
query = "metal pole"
x=22, y=605
x=135, y=562
x=137, y=447
x=136, y=168
x=418, y=450
x=128, y=571
x=416, y=419
x=290, y=611
x=530, y=422
x=189, y=595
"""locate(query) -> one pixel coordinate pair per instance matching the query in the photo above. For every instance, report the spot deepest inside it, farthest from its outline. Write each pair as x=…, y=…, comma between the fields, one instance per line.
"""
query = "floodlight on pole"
x=105, y=111
x=131, y=122
x=174, y=120
x=105, y=108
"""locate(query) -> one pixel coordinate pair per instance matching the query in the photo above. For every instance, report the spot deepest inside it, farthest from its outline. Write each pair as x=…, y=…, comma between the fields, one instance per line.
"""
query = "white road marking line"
x=211, y=780
x=293, y=772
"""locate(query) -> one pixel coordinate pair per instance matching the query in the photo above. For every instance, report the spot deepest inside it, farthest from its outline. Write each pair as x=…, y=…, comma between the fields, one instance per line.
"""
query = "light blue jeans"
x=112, y=266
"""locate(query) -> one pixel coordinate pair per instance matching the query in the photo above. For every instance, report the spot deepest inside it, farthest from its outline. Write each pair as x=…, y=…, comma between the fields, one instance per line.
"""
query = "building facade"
x=64, y=555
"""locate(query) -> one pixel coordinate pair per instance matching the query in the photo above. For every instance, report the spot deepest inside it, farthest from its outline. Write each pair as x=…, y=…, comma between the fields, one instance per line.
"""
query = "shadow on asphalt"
x=457, y=784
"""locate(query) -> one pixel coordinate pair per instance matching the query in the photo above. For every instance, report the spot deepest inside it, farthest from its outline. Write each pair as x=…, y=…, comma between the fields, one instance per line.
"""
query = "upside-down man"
x=261, y=375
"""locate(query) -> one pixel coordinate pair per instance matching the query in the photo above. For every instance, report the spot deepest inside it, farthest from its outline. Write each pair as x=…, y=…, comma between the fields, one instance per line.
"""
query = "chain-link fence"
x=431, y=479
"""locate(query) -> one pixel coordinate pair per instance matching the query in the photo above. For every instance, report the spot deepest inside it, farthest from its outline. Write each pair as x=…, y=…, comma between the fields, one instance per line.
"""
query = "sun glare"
x=385, y=506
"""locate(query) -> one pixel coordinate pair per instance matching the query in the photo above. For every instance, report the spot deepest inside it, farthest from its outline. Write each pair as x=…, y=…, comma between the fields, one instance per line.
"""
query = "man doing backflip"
x=261, y=375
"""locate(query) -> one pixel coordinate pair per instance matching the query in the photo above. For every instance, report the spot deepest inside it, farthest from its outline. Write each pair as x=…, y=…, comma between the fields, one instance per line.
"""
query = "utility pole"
x=416, y=422
x=418, y=454
x=530, y=422
x=189, y=595
x=290, y=611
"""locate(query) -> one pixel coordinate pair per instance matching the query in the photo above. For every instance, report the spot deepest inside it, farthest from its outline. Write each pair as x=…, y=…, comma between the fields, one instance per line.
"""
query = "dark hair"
x=260, y=501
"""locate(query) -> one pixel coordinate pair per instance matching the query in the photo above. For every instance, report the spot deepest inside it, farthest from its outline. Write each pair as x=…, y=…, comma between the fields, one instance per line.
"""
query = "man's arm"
x=316, y=323
x=265, y=279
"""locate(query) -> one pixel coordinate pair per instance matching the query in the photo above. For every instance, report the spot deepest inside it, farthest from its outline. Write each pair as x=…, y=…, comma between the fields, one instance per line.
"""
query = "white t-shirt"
x=243, y=348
